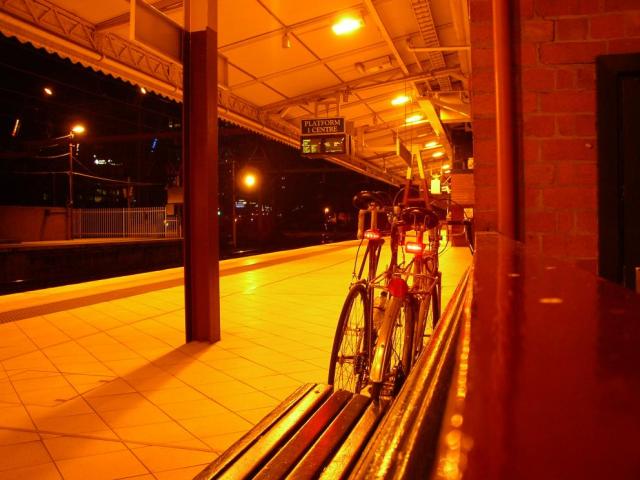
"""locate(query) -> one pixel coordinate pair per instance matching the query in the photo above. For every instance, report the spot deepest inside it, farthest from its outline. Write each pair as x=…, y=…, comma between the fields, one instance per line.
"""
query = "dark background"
x=136, y=138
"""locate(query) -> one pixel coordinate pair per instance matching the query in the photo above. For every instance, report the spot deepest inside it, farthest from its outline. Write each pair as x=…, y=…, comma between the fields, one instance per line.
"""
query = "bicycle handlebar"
x=365, y=199
x=423, y=215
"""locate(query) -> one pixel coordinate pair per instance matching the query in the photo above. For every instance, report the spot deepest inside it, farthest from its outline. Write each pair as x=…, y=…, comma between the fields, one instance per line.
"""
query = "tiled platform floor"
x=97, y=382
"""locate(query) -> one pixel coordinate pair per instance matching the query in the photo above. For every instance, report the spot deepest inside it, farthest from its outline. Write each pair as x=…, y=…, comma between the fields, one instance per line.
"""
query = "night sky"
x=137, y=137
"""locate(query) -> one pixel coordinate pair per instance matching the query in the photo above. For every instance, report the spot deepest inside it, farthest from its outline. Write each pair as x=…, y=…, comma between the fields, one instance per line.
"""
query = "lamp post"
x=75, y=130
x=249, y=180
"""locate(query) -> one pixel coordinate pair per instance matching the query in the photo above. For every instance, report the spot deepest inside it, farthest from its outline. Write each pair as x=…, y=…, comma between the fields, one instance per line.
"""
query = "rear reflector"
x=398, y=287
x=372, y=235
x=413, y=247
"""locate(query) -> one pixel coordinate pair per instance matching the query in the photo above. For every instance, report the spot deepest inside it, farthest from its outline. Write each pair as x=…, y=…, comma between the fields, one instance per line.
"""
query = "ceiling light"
x=375, y=64
x=143, y=90
x=48, y=91
x=78, y=129
x=286, y=40
x=400, y=100
x=413, y=118
x=347, y=25
x=432, y=144
x=438, y=154
x=446, y=166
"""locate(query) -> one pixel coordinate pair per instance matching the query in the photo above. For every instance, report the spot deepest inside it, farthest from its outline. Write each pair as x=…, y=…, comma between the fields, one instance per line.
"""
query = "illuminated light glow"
x=372, y=235
x=456, y=420
x=438, y=154
x=327, y=209
x=78, y=129
x=446, y=166
x=143, y=90
x=48, y=91
x=431, y=144
x=400, y=100
x=413, y=247
x=347, y=25
x=16, y=128
x=413, y=118
x=550, y=300
x=250, y=180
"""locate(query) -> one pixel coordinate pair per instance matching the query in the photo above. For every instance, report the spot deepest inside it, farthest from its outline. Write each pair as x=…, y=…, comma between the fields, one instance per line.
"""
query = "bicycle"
x=413, y=308
x=353, y=341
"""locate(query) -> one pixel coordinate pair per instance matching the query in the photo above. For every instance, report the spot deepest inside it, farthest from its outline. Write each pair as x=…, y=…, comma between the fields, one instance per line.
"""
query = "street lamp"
x=77, y=129
x=249, y=180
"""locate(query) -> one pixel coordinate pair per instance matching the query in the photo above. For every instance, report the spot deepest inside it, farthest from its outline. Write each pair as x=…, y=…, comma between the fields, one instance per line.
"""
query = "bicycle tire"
x=348, y=366
x=393, y=351
x=426, y=321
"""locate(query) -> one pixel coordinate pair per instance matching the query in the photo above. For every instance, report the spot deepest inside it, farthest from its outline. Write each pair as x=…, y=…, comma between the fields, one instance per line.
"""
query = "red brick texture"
x=555, y=47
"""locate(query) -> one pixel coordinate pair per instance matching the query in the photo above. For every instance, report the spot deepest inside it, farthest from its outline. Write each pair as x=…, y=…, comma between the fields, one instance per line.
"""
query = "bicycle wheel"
x=393, y=350
x=428, y=316
x=349, y=362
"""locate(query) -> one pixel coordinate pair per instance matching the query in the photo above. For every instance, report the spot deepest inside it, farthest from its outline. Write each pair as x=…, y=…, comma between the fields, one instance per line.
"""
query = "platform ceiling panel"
x=258, y=94
x=237, y=76
x=325, y=44
x=298, y=82
x=294, y=12
x=266, y=56
x=239, y=20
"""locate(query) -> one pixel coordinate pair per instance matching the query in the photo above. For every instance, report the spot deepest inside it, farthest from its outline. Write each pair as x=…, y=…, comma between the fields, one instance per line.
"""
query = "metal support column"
x=200, y=161
x=506, y=160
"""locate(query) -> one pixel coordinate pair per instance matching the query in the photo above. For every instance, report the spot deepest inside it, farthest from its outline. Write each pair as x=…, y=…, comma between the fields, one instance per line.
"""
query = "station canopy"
x=400, y=79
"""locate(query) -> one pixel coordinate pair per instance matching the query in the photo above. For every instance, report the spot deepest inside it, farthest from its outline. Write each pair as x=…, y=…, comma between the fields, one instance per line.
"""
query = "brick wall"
x=555, y=46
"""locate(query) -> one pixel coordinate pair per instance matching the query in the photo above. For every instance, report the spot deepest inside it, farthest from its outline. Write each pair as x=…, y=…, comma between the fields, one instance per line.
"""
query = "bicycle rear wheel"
x=393, y=350
x=349, y=364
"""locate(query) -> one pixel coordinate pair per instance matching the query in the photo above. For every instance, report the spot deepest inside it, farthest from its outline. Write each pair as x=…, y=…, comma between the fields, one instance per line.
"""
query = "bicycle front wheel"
x=349, y=364
x=393, y=350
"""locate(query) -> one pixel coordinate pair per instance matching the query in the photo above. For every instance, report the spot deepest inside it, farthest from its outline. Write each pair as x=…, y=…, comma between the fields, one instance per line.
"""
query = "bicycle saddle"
x=363, y=199
x=426, y=216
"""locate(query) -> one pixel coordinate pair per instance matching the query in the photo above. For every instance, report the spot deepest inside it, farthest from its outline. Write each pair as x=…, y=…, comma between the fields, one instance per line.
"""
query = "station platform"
x=96, y=380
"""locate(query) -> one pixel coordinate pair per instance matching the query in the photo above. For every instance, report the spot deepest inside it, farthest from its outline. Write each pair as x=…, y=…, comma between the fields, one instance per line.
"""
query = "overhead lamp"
x=400, y=100
x=286, y=40
x=78, y=129
x=143, y=90
x=413, y=118
x=446, y=166
x=347, y=25
x=375, y=64
x=432, y=144
x=437, y=154
x=48, y=91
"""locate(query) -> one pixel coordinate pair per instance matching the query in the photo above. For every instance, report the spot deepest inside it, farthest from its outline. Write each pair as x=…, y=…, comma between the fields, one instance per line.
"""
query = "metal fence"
x=151, y=222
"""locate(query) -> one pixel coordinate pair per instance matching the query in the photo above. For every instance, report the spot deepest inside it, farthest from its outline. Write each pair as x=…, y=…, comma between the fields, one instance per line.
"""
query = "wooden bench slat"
x=328, y=443
x=284, y=460
x=276, y=436
x=247, y=440
x=347, y=455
